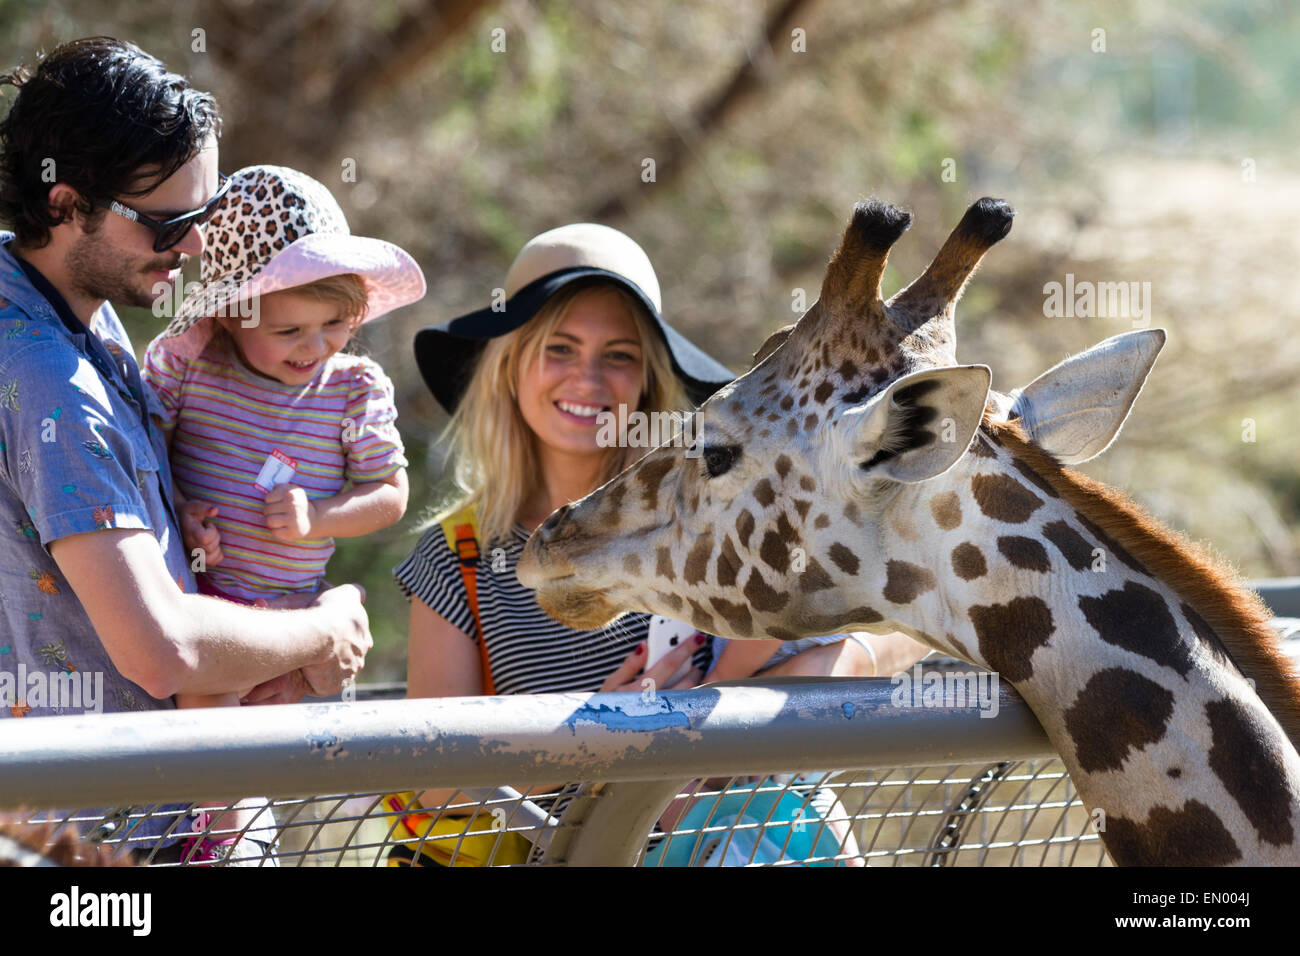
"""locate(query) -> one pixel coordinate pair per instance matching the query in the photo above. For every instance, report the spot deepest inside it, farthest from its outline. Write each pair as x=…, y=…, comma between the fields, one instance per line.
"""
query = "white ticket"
x=278, y=469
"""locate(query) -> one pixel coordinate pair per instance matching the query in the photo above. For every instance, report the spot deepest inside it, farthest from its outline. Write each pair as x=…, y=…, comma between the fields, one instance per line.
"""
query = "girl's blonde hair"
x=496, y=462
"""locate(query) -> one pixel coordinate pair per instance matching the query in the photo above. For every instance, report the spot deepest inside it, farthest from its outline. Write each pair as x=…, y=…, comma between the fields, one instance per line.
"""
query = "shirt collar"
x=52, y=295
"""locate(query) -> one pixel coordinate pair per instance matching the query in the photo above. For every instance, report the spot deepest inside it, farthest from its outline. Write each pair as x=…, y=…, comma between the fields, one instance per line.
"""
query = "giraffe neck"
x=1159, y=729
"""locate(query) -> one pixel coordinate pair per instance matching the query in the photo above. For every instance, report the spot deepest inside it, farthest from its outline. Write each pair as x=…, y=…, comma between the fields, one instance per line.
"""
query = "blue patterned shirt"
x=78, y=453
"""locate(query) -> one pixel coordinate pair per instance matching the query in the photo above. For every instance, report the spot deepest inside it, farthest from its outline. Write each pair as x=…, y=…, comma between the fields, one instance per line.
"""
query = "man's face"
x=117, y=262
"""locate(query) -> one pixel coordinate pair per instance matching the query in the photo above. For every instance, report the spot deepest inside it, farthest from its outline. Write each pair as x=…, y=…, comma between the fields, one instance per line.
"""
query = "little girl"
x=279, y=440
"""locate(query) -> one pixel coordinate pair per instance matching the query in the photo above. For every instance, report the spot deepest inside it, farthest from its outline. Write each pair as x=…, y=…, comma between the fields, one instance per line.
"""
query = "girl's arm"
x=364, y=508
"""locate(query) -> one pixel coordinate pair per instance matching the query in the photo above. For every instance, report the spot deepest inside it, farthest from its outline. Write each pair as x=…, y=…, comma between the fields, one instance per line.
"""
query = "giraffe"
x=858, y=478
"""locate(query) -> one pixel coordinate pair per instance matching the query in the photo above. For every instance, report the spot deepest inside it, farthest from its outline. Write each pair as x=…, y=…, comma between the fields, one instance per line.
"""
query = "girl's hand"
x=628, y=678
x=197, y=534
x=289, y=512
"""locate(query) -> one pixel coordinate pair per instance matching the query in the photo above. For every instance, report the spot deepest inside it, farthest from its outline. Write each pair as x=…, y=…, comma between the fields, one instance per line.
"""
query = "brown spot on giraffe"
x=763, y=493
x=851, y=512
x=847, y=370
x=822, y=521
x=775, y=552
x=781, y=634
x=1025, y=553
x=905, y=581
x=632, y=564
x=1003, y=498
x=650, y=475
x=810, y=422
x=1111, y=545
x=664, y=564
x=787, y=403
x=1174, y=772
x=697, y=559
x=744, y=527
x=737, y=615
x=814, y=578
x=1009, y=634
x=807, y=483
x=616, y=495
x=1137, y=619
x=844, y=558
x=1252, y=773
x=1117, y=711
x=945, y=508
x=761, y=595
x=1071, y=544
x=968, y=562
x=674, y=601
x=1035, y=478
x=701, y=618
x=823, y=392
x=782, y=465
x=803, y=506
x=1191, y=836
x=729, y=564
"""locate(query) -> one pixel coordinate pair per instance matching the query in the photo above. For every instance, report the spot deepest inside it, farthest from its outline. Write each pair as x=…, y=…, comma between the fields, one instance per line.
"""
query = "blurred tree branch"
x=312, y=62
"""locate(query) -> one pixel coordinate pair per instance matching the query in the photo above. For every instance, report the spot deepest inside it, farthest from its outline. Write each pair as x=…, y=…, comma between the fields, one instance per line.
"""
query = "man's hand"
x=352, y=641
x=198, y=534
x=288, y=688
x=289, y=512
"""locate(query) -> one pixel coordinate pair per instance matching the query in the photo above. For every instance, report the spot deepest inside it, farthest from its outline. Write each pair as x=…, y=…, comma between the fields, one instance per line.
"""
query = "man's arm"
x=168, y=641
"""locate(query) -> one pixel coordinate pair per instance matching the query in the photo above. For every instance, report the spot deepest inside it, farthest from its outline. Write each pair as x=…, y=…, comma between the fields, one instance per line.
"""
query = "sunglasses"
x=171, y=231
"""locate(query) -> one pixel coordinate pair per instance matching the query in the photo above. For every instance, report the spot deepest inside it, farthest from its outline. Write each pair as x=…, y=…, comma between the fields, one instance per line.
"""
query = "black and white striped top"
x=530, y=653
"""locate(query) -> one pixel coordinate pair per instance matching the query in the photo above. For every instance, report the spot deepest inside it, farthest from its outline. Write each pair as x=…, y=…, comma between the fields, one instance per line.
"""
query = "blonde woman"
x=579, y=333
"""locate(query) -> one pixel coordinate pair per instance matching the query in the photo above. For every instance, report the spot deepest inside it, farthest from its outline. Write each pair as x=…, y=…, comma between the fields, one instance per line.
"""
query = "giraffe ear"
x=1074, y=410
x=918, y=427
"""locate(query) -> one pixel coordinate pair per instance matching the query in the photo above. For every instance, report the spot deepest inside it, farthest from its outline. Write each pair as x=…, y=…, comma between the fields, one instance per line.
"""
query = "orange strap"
x=466, y=545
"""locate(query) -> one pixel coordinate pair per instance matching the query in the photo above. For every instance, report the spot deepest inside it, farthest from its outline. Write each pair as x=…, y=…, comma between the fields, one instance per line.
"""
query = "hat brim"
x=392, y=278
x=447, y=354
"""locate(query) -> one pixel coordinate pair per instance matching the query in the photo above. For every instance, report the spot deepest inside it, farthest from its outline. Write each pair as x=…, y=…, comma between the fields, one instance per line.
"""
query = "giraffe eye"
x=719, y=459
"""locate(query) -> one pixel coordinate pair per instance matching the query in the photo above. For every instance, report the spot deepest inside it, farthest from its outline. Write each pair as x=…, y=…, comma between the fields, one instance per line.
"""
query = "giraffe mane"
x=1213, y=590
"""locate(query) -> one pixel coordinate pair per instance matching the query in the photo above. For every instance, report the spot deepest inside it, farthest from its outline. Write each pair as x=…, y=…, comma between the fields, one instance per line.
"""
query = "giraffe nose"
x=554, y=521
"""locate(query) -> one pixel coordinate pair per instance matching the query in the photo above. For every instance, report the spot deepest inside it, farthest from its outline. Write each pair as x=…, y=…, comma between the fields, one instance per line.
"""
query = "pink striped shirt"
x=225, y=421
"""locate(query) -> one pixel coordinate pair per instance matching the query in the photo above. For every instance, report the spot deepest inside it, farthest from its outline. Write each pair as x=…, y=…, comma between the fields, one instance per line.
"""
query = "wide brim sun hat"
x=277, y=228
x=585, y=252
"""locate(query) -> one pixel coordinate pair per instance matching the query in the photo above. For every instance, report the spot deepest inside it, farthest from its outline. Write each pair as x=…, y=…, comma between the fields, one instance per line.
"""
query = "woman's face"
x=591, y=363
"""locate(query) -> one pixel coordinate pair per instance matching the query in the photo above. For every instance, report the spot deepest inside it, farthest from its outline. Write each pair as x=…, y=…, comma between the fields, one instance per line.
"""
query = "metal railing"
x=735, y=774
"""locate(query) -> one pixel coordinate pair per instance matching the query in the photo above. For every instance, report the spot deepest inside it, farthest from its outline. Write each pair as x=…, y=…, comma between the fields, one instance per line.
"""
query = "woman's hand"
x=628, y=677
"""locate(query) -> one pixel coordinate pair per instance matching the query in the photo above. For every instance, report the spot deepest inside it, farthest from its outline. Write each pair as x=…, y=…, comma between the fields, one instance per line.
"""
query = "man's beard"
x=99, y=271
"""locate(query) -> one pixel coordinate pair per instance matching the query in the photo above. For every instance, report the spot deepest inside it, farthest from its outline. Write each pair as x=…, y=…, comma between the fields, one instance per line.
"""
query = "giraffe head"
x=796, y=463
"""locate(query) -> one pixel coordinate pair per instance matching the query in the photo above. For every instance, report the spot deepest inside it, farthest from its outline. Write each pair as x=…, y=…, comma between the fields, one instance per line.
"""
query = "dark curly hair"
x=112, y=119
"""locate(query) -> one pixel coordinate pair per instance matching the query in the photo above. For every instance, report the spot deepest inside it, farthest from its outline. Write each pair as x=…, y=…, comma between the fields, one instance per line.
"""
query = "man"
x=108, y=168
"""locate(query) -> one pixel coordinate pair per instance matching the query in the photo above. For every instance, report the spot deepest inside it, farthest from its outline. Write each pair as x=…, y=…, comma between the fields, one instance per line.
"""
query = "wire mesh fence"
x=1010, y=813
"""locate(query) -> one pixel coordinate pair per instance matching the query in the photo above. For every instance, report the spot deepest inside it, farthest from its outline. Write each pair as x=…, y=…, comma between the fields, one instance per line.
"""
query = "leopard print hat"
x=278, y=228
